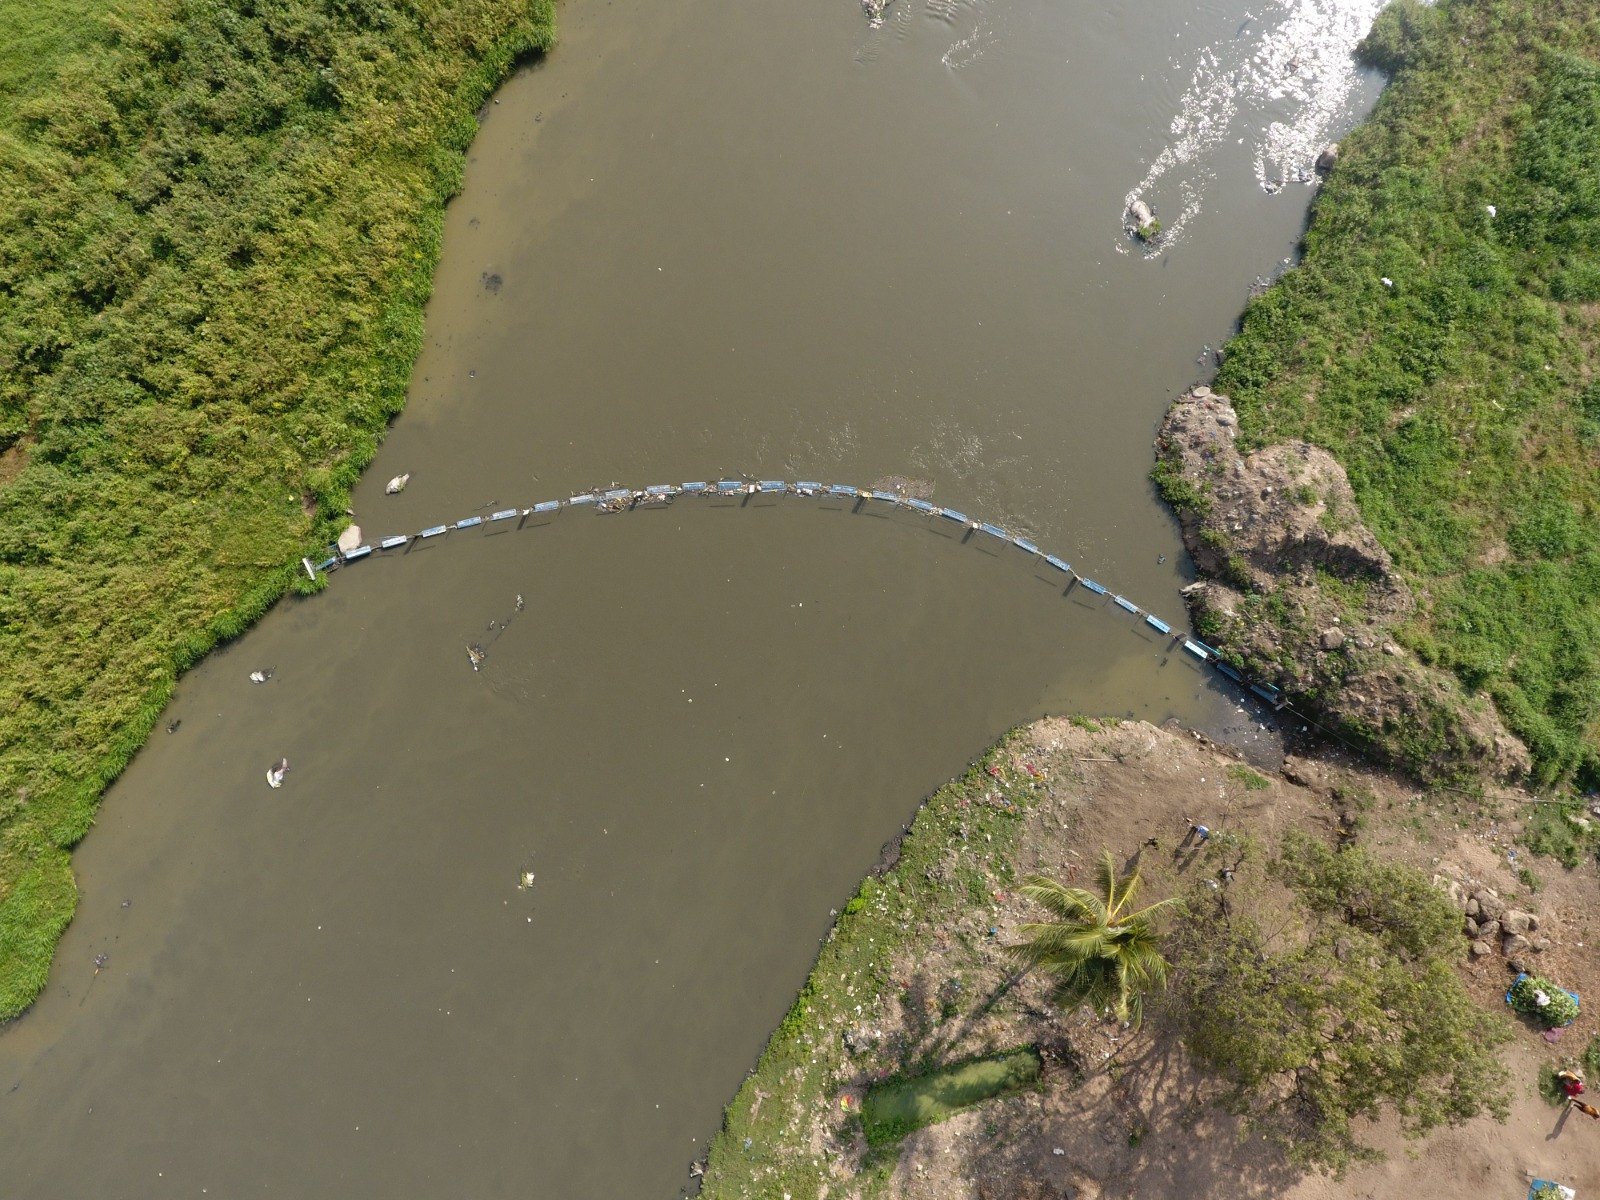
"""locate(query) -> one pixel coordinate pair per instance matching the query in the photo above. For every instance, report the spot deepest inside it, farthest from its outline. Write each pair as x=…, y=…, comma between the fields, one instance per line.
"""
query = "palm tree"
x=1099, y=952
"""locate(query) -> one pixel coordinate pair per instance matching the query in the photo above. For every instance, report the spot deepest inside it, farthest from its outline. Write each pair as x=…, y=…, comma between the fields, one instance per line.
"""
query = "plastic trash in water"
x=276, y=772
x=397, y=485
x=475, y=655
x=262, y=675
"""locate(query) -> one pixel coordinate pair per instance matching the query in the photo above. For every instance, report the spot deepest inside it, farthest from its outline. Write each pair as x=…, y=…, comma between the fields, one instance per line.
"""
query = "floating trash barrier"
x=619, y=499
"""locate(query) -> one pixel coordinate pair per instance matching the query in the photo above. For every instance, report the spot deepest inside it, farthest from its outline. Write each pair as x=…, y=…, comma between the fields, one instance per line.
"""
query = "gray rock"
x=1472, y=908
x=1488, y=929
x=1480, y=949
x=1141, y=215
x=1515, y=921
x=1332, y=639
x=1516, y=966
x=1471, y=929
x=1515, y=943
x=1490, y=904
x=1541, y=944
x=1328, y=157
x=1533, y=921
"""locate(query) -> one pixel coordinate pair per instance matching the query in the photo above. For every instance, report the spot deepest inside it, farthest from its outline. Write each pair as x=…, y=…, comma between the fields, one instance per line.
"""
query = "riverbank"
x=912, y=977
x=1436, y=346
x=218, y=232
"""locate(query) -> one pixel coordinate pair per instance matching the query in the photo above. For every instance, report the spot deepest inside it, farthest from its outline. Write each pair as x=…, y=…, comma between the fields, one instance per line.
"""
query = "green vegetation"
x=1099, y=950
x=1336, y=1004
x=1252, y=780
x=763, y=1149
x=901, y=1106
x=218, y=224
x=1463, y=396
x=1557, y=1007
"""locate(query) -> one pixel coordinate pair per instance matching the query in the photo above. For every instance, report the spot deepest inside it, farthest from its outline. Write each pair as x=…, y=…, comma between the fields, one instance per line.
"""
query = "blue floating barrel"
x=546, y=506
x=1228, y=671
x=994, y=531
x=773, y=485
x=469, y=522
x=728, y=486
x=1022, y=543
x=950, y=514
x=586, y=498
x=841, y=489
x=1064, y=567
x=1196, y=649
x=1211, y=650
x=326, y=563
x=1157, y=624
x=435, y=531
x=359, y=552
x=389, y=543
x=1124, y=603
x=696, y=486
x=891, y=497
x=660, y=489
x=921, y=505
x=505, y=514
x=1094, y=587
x=617, y=494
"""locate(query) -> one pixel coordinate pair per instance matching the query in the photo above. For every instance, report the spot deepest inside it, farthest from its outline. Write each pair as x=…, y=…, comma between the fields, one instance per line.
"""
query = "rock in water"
x=397, y=484
x=1139, y=212
x=350, y=538
x=1329, y=156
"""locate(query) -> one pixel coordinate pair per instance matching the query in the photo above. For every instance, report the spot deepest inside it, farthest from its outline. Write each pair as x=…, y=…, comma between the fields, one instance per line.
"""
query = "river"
x=699, y=239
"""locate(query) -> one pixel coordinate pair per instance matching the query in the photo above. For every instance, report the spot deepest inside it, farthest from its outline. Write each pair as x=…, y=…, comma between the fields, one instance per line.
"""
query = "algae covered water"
x=523, y=929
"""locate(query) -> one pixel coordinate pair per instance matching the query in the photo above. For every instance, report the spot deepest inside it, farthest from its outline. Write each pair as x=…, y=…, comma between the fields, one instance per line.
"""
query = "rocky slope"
x=1299, y=592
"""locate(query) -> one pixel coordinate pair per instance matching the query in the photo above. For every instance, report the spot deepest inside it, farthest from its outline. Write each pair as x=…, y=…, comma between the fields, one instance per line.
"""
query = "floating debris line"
x=621, y=499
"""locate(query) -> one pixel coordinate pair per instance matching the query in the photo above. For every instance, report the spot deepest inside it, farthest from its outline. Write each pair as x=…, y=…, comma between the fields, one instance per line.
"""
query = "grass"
x=806, y=1068
x=897, y=1107
x=1463, y=400
x=218, y=225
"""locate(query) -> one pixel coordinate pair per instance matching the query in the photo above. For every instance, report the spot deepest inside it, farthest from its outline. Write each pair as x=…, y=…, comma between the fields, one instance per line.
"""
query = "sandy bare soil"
x=1126, y=1114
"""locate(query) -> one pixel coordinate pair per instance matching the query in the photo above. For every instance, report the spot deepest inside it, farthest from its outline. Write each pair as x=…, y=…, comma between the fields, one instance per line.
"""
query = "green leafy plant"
x=1099, y=949
x=1537, y=997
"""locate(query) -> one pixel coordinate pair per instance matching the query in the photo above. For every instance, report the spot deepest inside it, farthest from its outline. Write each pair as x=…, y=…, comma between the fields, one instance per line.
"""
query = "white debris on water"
x=1285, y=83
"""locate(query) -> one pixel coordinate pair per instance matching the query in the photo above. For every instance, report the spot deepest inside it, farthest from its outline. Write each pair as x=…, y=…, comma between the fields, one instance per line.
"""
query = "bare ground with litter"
x=1127, y=1114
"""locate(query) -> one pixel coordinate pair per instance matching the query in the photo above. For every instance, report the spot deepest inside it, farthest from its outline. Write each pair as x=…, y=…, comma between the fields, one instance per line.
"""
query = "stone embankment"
x=1297, y=589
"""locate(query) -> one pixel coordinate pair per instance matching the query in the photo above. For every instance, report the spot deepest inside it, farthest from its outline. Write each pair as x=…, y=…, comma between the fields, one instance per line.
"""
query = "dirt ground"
x=1126, y=1114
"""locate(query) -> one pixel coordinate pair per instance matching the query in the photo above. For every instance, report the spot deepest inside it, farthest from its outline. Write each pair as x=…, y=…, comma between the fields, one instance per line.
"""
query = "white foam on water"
x=1284, y=84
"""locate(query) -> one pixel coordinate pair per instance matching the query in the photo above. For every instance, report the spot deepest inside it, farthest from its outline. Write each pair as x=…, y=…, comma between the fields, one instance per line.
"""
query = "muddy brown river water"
x=700, y=239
